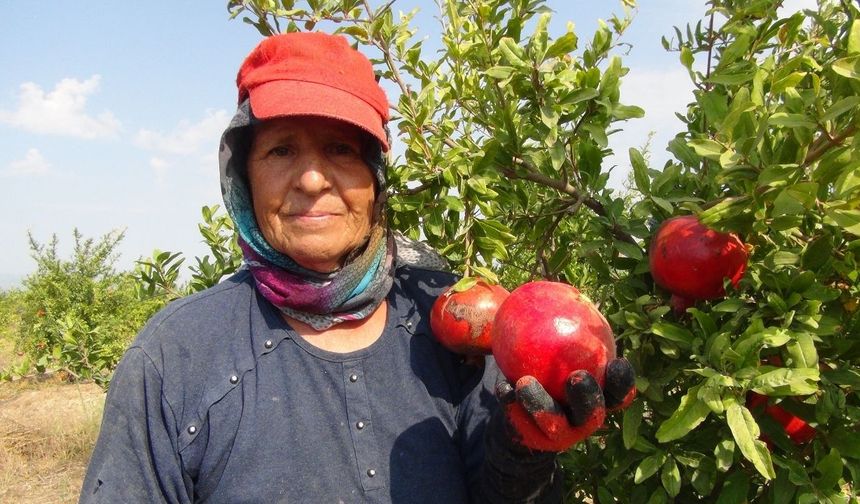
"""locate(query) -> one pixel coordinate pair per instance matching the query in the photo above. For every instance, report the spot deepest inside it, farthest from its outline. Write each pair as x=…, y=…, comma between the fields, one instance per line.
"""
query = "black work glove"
x=539, y=422
x=525, y=434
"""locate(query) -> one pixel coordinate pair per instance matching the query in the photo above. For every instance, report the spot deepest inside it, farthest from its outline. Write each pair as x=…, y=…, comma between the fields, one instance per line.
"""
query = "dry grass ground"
x=47, y=430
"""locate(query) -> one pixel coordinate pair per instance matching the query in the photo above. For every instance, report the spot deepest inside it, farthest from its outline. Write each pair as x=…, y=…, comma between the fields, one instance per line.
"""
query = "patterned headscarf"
x=320, y=300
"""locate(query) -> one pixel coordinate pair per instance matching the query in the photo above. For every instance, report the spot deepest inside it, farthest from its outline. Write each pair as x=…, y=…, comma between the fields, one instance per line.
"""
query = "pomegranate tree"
x=462, y=320
x=691, y=260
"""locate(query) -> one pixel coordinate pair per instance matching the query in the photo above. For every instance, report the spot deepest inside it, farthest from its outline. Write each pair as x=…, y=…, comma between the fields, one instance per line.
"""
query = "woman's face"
x=313, y=193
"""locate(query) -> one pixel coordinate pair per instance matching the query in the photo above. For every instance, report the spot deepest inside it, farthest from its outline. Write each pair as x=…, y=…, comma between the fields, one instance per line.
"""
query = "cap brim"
x=282, y=98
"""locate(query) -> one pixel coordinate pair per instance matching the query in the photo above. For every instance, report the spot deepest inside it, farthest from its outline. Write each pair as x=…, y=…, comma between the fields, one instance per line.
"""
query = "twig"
x=824, y=142
x=533, y=175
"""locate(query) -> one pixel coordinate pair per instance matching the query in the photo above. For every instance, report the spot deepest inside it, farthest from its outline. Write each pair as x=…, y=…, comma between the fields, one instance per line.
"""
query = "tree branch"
x=825, y=142
x=533, y=175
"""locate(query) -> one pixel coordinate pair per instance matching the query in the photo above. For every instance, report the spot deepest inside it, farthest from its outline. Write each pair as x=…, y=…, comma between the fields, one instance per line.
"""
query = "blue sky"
x=110, y=113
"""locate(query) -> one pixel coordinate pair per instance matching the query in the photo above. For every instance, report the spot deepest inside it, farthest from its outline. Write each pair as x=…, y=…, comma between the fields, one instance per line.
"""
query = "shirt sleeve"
x=135, y=458
x=499, y=471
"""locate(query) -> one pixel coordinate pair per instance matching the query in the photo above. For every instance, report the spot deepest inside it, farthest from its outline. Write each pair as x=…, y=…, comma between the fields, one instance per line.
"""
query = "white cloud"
x=61, y=111
x=187, y=138
x=159, y=166
x=33, y=164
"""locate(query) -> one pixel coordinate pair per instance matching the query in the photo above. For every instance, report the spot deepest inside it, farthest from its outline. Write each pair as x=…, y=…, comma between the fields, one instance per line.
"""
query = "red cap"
x=312, y=73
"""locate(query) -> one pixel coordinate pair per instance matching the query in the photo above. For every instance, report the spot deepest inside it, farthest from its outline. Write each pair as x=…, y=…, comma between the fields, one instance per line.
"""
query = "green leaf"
x=795, y=199
x=745, y=430
x=499, y=72
x=628, y=249
x=454, y=203
x=673, y=332
x=549, y=116
x=853, y=45
x=843, y=376
x=711, y=395
x=786, y=382
x=730, y=305
x=842, y=106
x=737, y=48
x=704, y=477
x=557, y=153
x=670, y=476
x=622, y=112
x=849, y=181
x=724, y=454
x=682, y=152
x=686, y=57
x=664, y=205
x=630, y=423
x=562, y=45
x=830, y=469
x=849, y=220
x=577, y=96
x=791, y=120
x=690, y=413
x=732, y=79
x=802, y=351
x=512, y=52
x=735, y=489
x=715, y=106
x=817, y=252
x=464, y=284
x=848, y=67
x=706, y=148
x=640, y=171
x=846, y=441
x=648, y=467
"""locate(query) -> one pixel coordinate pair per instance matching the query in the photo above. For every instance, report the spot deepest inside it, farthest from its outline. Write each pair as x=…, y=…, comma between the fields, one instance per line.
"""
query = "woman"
x=311, y=375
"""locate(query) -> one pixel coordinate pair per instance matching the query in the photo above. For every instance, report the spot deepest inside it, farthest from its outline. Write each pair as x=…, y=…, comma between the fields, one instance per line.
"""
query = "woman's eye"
x=280, y=150
x=343, y=149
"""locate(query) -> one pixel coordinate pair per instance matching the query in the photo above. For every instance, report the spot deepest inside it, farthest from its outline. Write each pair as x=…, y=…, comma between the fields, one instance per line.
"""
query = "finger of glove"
x=505, y=392
x=618, y=383
x=548, y=415
x=583, y=397
x=534, y=398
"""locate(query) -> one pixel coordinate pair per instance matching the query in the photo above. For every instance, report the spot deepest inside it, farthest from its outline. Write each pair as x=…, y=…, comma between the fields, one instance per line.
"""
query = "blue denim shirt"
x=219, y=400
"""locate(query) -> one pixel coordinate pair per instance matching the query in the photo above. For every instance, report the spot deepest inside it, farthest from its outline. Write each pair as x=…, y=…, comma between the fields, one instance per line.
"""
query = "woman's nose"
x=314, y=174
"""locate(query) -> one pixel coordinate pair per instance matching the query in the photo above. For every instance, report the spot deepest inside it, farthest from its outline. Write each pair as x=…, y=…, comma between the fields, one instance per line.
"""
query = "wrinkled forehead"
x=309, y=127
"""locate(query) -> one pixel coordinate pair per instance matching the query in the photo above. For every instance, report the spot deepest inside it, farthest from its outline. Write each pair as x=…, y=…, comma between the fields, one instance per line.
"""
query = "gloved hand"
x=540, y=423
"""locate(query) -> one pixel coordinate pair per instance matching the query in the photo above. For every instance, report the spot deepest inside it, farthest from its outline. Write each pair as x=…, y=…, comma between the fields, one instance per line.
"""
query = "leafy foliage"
x=158, y=276
x=506, y=130
x=77, y=315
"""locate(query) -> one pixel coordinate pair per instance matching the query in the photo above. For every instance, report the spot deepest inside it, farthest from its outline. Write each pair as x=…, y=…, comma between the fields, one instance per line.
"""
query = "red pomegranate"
x=548, y=330
x=795, y=427
x=691, y=261
x=462, y=320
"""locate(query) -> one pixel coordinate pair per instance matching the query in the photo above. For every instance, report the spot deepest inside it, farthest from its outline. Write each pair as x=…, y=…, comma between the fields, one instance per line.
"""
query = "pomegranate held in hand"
x=691, y=261
x=462, y=321
x=549, y=330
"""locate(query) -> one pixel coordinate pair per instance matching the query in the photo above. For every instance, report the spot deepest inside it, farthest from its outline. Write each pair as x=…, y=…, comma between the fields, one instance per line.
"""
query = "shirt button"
x=234, y=379
x=409, y=324
x=359, y=425
x=192, y=429
x=268, y=343
x=371, y=472
x=353, y=378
